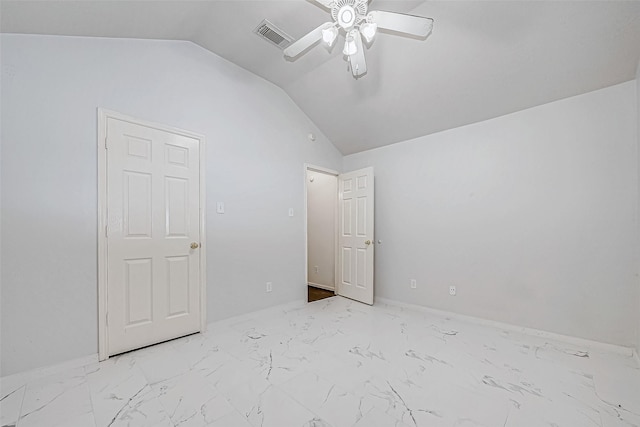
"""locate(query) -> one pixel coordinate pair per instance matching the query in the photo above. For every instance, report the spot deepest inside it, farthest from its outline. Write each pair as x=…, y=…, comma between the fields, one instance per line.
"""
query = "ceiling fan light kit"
x=368, y=31
x=350, y=47
x=329, y=35
x=353, y=19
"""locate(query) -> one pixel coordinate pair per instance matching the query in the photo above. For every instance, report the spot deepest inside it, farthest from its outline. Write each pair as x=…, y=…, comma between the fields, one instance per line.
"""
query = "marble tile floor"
x=338, y=363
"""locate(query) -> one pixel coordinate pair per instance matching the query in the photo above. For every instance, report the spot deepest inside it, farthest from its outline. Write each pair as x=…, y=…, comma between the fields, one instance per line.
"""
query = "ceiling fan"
x=357, y=23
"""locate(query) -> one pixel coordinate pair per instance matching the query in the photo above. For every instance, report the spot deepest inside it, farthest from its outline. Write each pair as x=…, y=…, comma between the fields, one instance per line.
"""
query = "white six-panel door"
x=153, y=235
x=355, y=235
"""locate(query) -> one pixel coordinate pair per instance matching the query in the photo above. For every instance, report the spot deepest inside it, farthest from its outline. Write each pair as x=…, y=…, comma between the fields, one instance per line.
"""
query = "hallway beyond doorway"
x=316, y=294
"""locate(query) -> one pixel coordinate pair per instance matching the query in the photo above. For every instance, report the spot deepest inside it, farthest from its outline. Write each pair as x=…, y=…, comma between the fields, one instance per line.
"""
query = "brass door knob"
x=368, y=242
x=194, y=245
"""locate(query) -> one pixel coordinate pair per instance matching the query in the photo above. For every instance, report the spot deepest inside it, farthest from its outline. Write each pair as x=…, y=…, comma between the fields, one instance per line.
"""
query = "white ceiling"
x=484, y=58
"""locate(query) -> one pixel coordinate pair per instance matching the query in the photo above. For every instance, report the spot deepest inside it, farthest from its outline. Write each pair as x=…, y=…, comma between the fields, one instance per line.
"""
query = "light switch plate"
x=220, y=207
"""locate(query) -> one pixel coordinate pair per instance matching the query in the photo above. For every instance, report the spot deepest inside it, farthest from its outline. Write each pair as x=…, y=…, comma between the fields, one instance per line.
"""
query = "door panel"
x=361, y=217
x=346, y=266
x=178, y=280
x=153, y=208
x=355, y=210
x=361, y=265
x=139, y=291
x=177, y=209
x=137, y=204
x=346, y=217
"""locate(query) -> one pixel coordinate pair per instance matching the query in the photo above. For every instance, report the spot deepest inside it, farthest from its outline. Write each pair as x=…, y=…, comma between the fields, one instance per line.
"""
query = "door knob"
x=367, y=242
x=194, y=245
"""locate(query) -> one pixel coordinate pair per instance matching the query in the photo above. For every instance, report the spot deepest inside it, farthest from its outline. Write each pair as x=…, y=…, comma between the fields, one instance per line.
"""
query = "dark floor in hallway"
x=316, y=294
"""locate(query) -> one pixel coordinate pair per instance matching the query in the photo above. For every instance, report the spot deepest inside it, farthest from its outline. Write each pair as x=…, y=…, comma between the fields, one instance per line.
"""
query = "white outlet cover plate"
x=452, y=290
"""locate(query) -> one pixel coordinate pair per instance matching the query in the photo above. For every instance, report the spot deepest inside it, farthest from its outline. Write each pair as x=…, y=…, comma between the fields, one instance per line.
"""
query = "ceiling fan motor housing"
x=347, y=13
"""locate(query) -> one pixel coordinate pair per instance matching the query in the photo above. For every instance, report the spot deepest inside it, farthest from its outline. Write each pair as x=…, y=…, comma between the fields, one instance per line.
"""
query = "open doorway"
x=322, y=211
x=339, y=226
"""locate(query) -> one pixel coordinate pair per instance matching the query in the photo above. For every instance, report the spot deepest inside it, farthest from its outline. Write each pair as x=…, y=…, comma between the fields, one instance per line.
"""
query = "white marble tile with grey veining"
x=191, y=401
x=274, y=408
x=11, y=396
x=122, y=396
x=58, y=399
x=336, y=363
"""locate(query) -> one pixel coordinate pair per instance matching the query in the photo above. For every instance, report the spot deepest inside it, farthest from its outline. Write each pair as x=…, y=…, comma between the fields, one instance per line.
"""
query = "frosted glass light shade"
x=329, y=35
x=368, y=31
x=350, y=46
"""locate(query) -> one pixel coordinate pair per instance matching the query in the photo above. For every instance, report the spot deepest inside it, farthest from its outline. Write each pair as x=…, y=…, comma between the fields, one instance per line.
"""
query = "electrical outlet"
x=315, y=269
x=452, y=290
x=413, y=283
x=269, y=287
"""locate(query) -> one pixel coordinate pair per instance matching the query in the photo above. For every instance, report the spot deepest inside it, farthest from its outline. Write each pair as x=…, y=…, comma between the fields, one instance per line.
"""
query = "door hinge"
x=105, y=144
x=107, y=319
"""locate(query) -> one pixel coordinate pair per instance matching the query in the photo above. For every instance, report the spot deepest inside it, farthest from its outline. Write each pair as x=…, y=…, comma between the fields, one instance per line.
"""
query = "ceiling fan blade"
x=357, y=60
x=305, y=41
x=402, y=23
x=325, y=3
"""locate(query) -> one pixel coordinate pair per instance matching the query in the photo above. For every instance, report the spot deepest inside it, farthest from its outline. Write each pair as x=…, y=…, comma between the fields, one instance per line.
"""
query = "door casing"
x=103, y=116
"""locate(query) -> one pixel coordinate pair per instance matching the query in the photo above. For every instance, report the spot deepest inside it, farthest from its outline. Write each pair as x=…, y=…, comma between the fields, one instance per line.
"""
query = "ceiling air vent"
x=273, y=34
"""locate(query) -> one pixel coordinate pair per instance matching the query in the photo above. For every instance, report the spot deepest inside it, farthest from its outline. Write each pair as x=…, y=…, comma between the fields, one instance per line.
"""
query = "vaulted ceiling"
x=484, y=58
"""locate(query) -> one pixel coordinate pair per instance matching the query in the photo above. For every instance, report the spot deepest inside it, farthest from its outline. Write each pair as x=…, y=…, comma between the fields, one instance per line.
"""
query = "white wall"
x=531, y=215
x=638, y=122
x=322, y=199
x=256, y=147
x=3, y=75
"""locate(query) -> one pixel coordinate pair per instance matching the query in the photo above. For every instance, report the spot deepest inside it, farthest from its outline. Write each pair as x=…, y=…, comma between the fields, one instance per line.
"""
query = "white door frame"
x=314, y=168
x=103, y=116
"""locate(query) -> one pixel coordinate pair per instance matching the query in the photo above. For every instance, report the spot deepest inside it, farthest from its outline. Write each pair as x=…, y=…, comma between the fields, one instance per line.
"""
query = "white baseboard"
x=287, y=306
x=325, y=287
x=53, y=369
x=613, y=348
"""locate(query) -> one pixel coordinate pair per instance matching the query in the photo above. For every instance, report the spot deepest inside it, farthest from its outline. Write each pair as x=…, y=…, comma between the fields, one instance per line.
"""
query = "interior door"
x=153, y=235
x=355, y=235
